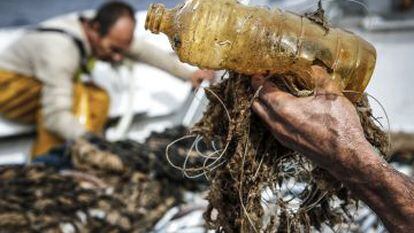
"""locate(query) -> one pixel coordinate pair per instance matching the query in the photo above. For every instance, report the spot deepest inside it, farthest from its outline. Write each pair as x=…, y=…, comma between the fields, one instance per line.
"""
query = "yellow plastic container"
x=224, y=34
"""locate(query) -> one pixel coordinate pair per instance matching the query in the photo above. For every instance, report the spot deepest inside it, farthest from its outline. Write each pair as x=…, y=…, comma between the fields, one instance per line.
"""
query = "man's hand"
x=321, y=127
x=326, y=128
x=201, y=75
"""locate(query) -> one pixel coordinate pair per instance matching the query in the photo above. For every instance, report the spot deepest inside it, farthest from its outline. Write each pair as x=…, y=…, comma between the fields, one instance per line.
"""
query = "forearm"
x=57, y=114
x=387, y=192
x=148, y=53
x=168, y=63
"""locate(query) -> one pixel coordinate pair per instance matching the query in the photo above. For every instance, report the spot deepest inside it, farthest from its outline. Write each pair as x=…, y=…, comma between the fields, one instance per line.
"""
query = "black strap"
x=78, y=42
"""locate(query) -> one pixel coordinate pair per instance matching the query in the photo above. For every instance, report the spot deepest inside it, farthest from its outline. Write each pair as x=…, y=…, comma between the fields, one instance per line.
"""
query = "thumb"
x=324, y=84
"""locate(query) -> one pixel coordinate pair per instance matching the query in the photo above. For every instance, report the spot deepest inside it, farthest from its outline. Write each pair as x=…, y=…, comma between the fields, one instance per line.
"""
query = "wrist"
x=360, y=163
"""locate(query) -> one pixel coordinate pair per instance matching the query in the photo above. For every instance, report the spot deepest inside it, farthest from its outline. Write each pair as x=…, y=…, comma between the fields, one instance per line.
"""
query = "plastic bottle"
x=224, y=34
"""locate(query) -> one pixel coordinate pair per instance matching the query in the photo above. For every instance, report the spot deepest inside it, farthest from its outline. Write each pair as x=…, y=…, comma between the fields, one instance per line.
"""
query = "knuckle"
x=267, y=98
x=283, y=108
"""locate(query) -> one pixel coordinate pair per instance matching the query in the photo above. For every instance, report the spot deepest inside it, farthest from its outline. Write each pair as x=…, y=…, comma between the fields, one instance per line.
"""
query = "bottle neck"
x=158, y=19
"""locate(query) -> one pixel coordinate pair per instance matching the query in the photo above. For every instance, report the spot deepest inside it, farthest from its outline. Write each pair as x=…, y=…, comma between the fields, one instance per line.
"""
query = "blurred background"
x=388, y=24
x=26, y=12
x=141, y=104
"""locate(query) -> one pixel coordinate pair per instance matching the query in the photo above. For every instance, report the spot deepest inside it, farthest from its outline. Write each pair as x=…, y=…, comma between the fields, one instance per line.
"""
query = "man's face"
x=116, y=42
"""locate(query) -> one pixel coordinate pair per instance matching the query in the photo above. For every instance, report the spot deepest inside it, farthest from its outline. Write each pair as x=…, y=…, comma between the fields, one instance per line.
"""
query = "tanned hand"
x=321, y=126
x=325, y=127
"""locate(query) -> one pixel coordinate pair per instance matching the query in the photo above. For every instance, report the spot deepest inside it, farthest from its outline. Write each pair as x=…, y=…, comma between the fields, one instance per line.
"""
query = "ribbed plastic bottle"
x=224, y=34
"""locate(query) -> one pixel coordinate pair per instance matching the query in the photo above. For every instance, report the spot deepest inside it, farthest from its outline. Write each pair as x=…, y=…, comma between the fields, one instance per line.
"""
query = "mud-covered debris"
x=263, y=186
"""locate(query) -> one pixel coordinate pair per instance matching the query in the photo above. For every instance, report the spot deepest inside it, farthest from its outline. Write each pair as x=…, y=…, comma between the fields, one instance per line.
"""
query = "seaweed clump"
x=260, y=185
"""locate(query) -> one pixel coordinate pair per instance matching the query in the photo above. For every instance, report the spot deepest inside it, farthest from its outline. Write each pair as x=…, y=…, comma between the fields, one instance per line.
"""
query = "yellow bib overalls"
x=20, y=101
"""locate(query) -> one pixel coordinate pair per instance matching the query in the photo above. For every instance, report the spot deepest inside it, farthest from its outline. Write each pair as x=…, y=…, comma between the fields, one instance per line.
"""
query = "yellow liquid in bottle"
x=223, y=34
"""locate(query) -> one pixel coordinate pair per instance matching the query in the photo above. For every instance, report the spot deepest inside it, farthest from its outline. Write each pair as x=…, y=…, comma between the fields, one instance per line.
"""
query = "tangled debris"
x=40, y=199
x=263, y=186
x=115, y=187
x=128, y=156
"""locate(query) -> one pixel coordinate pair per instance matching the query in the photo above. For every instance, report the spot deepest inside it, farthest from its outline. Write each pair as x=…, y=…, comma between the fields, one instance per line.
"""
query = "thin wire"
x=228, y=139
x=311, y=206
x=386, y=117
x=241, y=183
x=205, y=168
x=167, y=149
